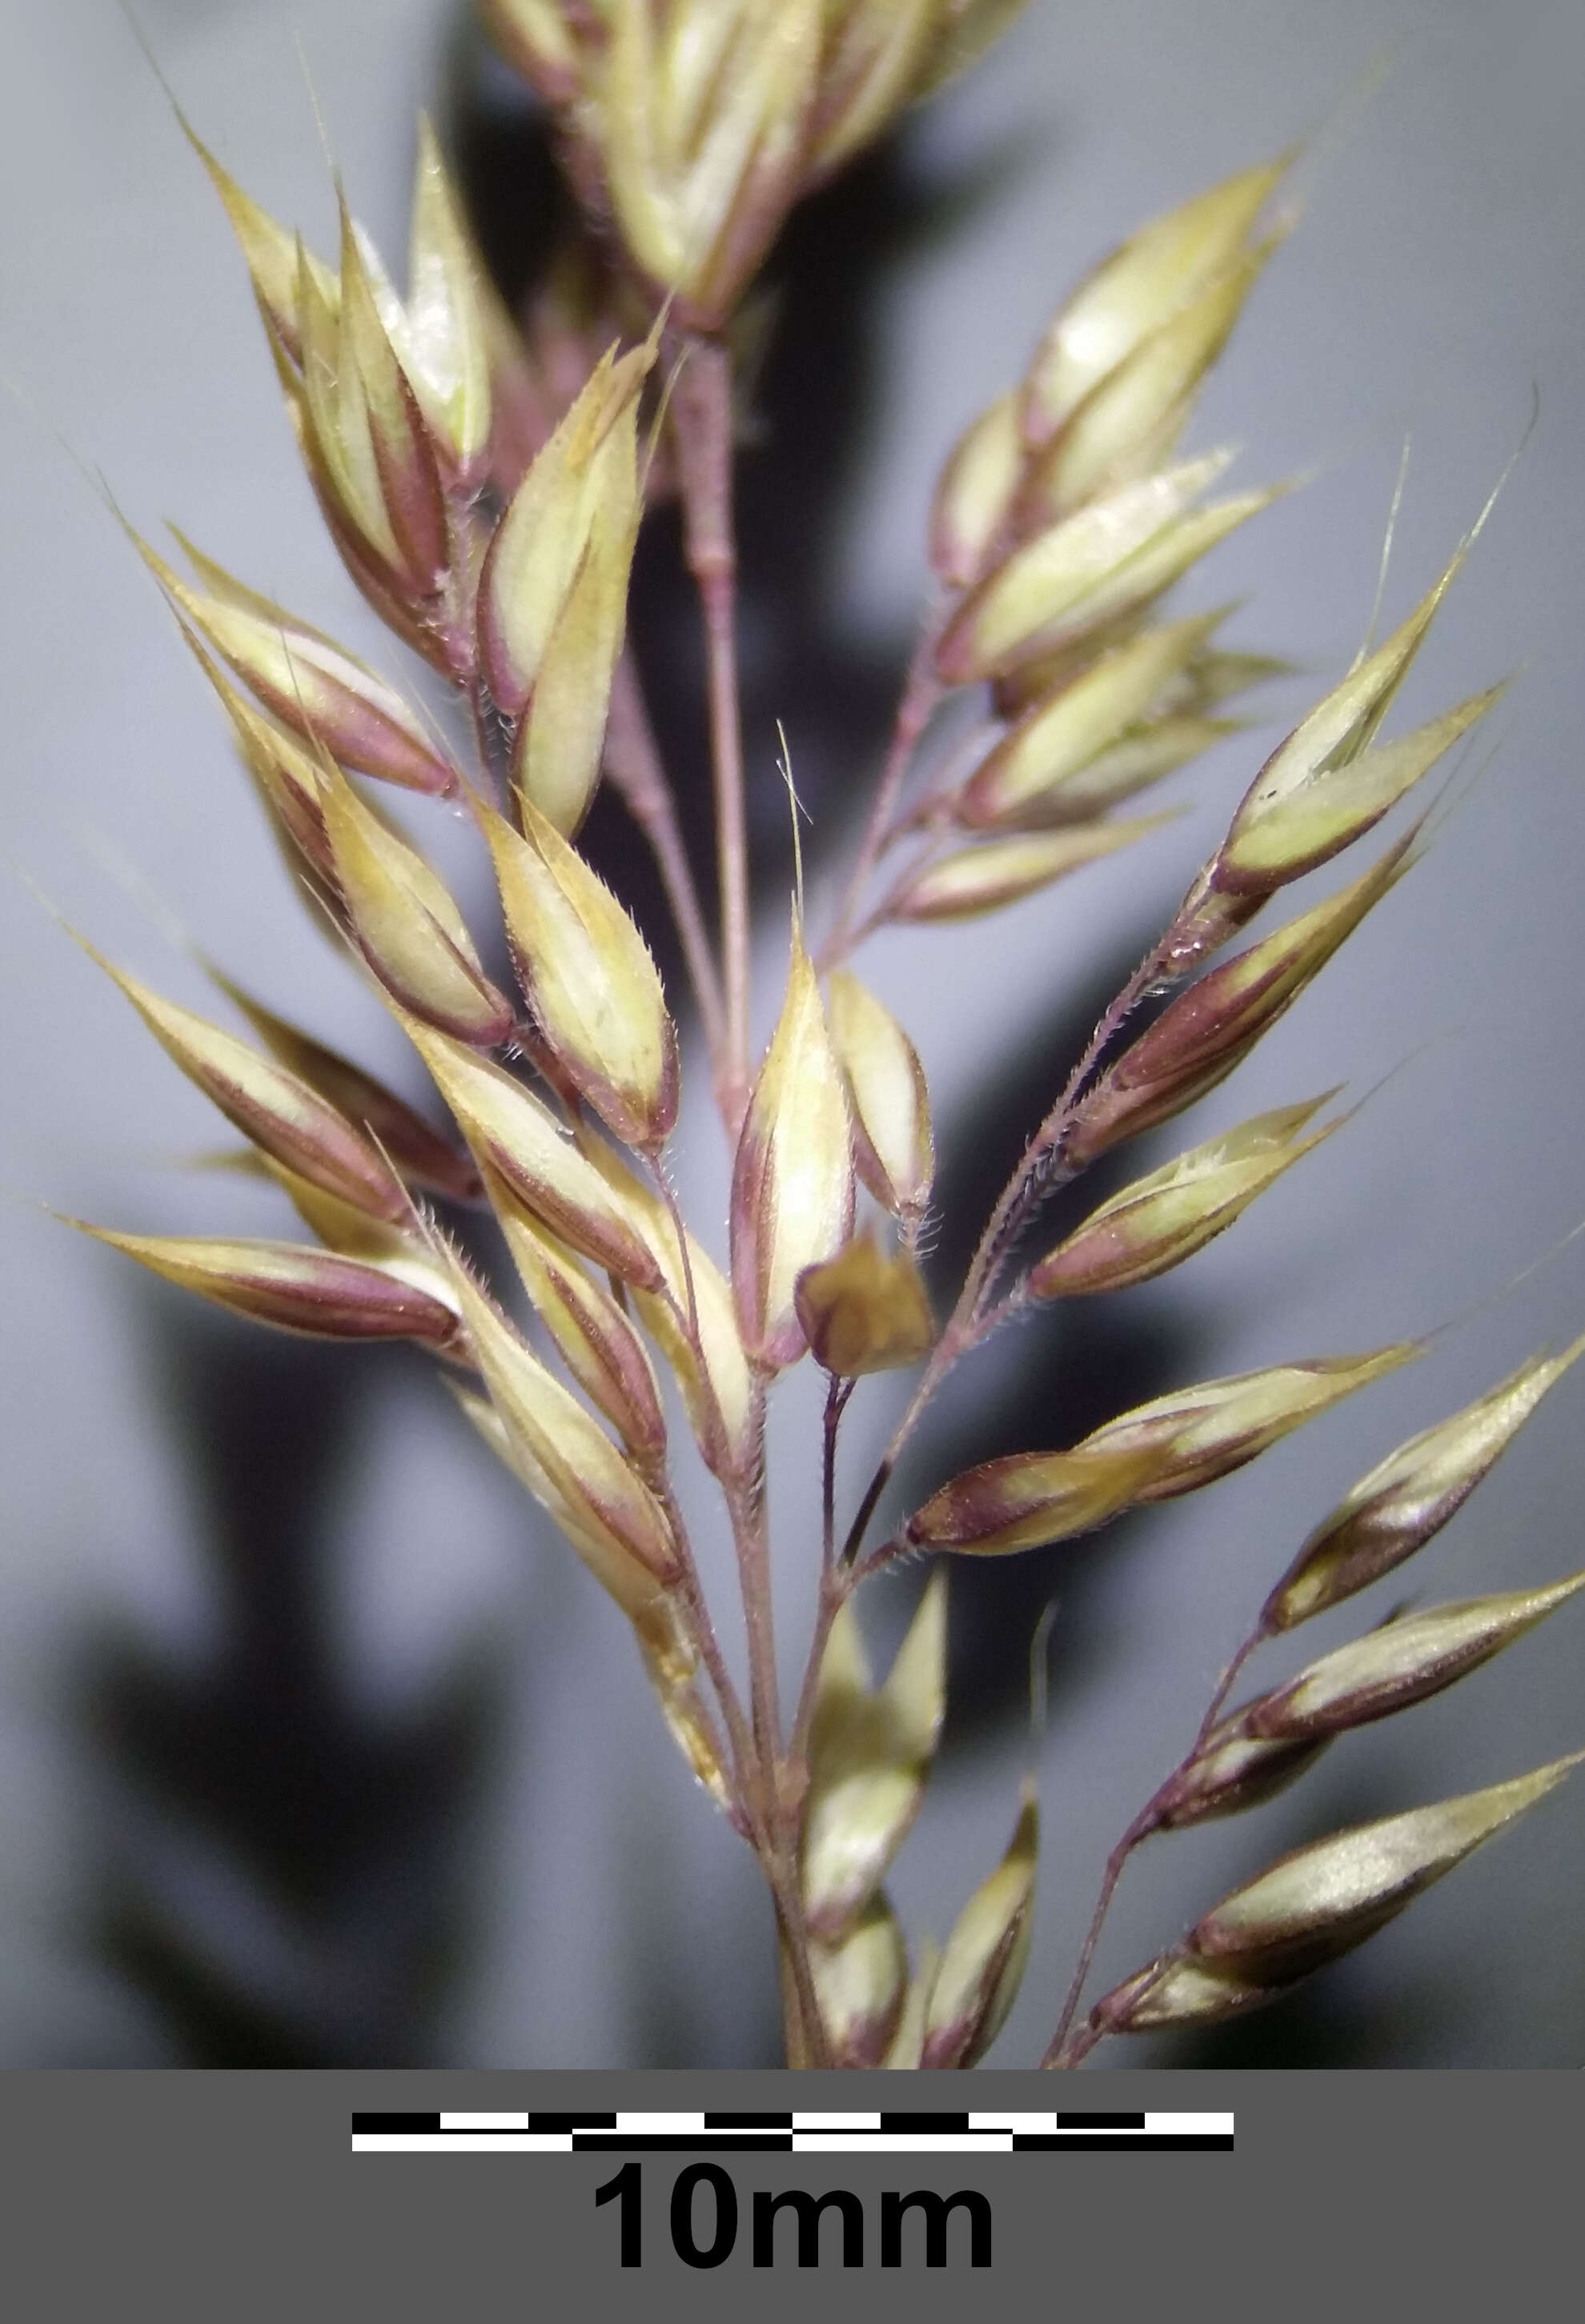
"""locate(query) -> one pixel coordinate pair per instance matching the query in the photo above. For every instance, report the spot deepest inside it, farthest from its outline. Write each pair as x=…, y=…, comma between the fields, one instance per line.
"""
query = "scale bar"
x=799, y=2132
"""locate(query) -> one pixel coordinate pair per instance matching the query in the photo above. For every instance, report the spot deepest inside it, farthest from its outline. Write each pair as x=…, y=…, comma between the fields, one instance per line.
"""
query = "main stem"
x=702, y=419
x=779, y=1807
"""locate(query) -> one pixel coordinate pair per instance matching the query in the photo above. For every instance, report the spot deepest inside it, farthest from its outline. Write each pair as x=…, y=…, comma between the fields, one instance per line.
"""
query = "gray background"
x=1433, y=284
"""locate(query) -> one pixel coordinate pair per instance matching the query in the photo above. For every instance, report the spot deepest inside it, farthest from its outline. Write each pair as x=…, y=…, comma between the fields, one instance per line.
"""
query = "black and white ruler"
x=799, y=2132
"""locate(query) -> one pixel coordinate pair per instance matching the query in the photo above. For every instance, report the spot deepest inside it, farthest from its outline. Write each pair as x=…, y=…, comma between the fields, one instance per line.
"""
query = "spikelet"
x=1313, y=1906
x=1410, y=1496
x=671, y=1665
x=893, y=1146
x=422, y=1155
x=715, y=1378
x=983, y=1962
x=1258, y=1750
x=1067, y=732
x=568, y=1461
x=703, y=124
x=514, y=1136
x=1119, y=551
x=1198, y=1435
x=405, y=922
x=1006, y=870
x=592, y=1335
x=305, y=680
x=1168, y=263
x=588, y=977
x=1030, y=1499
x=1202, y=1035
x=1162, y=1219
x=870, y=1752
x=292, y=1286
x=284, y=1115
x=793, y=1181
x=861, y=1983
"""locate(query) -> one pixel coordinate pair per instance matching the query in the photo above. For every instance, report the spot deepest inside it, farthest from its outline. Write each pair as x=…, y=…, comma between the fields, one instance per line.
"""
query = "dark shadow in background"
x=312, y=1910
x=353, y=1827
